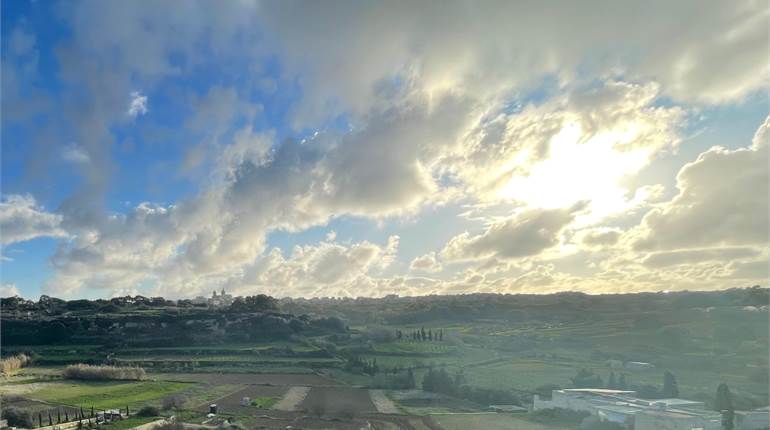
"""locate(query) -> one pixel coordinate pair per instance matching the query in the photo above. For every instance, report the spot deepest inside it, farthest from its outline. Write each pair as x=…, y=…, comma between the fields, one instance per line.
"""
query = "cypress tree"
x=622, y=385
x=724, y=400
x=670, y=387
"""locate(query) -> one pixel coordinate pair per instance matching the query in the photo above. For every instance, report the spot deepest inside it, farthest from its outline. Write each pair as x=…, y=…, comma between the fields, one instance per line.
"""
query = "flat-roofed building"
x=677, y=419
x=758, y=419
x=623, y=407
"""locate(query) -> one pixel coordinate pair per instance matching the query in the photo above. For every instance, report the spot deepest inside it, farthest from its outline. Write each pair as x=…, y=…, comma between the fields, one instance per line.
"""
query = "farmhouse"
x=623, y=407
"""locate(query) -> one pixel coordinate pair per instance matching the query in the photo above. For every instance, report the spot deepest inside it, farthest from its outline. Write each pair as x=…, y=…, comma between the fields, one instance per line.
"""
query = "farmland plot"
x=292, y=399
x=338, y=401
x=233, y=403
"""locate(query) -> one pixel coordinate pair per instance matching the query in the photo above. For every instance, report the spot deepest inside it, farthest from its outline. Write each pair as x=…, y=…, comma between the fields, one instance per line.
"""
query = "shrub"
x=175, y=402
x=545, y=391
x=16, y=362
x=593, y=423
x=18, y=418
x=88, y=372
x=557, y=416
x=148, y=411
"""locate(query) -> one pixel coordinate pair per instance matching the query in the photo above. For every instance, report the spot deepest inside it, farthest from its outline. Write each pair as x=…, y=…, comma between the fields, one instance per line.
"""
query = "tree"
x=586, y=379
x=622, y=384
x=430, y=334
x=611, y=384
x=410, y=379
x=439, y=381
x=670, y=387
x=724, y=400
x=18, y=418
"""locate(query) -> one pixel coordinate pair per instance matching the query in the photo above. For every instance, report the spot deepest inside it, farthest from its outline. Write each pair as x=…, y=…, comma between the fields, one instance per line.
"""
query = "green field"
x=491, y=421
x=102, y=395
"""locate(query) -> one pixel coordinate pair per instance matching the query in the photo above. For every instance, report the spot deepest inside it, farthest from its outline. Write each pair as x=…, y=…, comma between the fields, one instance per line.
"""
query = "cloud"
x=8, y=289
x=426, y=263
x=501, y=47
x=722, y=200
x=669, y=258
x=525, y=234
x=138, y=104
x=75, y=154
x=599, y=237
x=22, y=219
x=313, y=270
x=525, y=107
x=579, y=146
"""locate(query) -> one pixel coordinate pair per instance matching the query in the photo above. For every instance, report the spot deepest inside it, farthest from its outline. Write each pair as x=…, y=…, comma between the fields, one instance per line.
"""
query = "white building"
x=221, y=300
x=625, y=408
x=678, y=419
x=758, y=419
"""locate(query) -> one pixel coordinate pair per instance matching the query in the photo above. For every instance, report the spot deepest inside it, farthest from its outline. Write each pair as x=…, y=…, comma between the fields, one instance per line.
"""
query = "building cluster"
x=215, y=301
x=623, y=407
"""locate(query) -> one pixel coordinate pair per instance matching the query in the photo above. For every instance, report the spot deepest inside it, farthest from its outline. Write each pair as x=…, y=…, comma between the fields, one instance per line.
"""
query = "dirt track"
x=307, y=379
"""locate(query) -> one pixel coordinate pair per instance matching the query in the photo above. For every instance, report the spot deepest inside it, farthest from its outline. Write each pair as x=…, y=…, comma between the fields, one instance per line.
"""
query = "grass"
x=264, y=402
x=490, y=421
x=128, y=423
x=102, y=395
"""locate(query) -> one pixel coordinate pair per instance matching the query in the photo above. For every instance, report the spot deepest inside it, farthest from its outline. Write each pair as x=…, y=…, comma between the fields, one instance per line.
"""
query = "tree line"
x=421, y=335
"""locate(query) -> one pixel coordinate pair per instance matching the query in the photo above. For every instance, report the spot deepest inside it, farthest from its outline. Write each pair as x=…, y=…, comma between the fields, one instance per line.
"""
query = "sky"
x=348, y=149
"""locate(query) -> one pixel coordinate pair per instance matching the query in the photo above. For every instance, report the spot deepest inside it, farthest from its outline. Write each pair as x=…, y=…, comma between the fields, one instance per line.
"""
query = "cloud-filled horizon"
x=363, y=149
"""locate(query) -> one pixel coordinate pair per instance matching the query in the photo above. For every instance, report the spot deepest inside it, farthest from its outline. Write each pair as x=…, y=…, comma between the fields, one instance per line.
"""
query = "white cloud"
x=669, y=258
x=138, y=104
x=525, y=234
x=75, y=154
x=22, y=219
x=426, y=263
x=499, y=47
x=313, y=270
x=722, y=200
x=8, y=289
x=427, y=95
x=599, y=237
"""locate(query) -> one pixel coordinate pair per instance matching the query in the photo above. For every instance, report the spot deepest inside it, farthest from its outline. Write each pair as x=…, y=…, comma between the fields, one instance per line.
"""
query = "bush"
x=148, y=411
x=545, y=391
x=16, y=362
x=593, y=423
x=17, y=417
x=557, y=416
x=173, y=402
x=88, y=372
